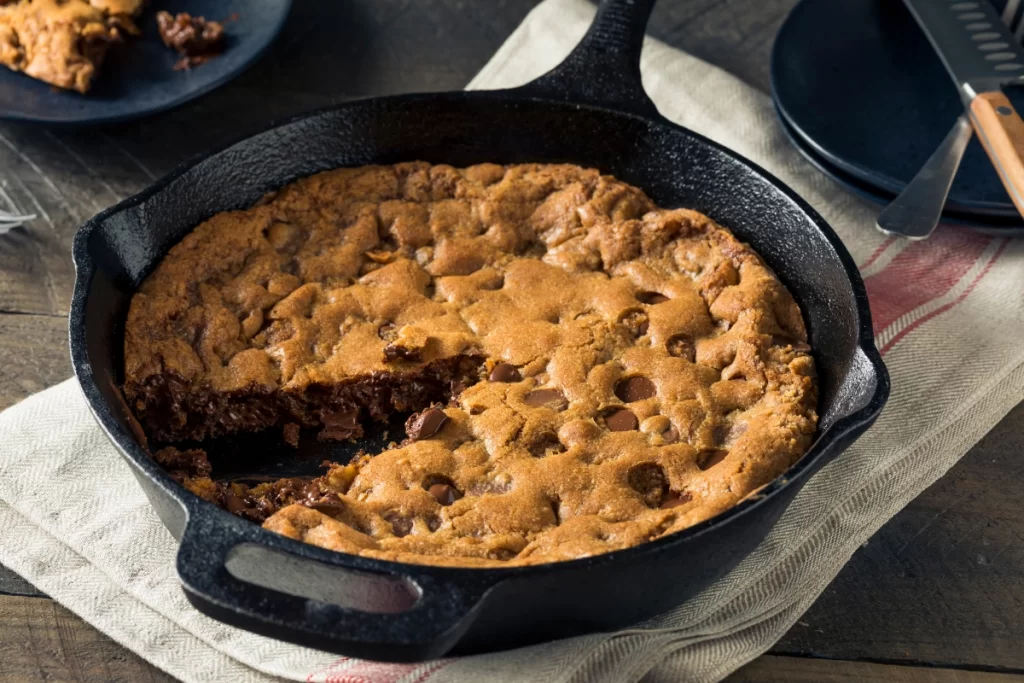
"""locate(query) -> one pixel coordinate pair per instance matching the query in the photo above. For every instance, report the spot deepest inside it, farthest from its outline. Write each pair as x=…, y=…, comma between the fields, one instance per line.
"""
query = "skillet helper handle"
x=604, y=68
x=229, y=573
x=1001, y=132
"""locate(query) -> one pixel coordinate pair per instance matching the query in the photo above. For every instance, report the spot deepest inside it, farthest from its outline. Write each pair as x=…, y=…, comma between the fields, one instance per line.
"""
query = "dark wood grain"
x=941, y=583
x=33, y=354
x=42, y=641
x=775, y=669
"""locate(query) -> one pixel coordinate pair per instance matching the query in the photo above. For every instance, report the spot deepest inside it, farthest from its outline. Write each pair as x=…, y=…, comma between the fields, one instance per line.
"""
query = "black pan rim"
x=137, y=458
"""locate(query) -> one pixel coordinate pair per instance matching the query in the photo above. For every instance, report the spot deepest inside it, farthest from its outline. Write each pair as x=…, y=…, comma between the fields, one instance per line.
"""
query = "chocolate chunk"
x=635, y=389
x=393, y=352
x=441, y=488
x=674, y=499
x=234, y=504
x=425, y=424
x=725, y=435
x=388, y=332
x=649, y=480
x=505, y=372
x=195, y=38
x=651, y=298
x=551, y=398
x=400, y=524
x=290, y=432
x=620, y=420
x=444, y=494
x=670, y=435
x=329, y=504
x=455, y=387
x=340, y=425
x=708, y=459
x=681, y=346
x=191, y=36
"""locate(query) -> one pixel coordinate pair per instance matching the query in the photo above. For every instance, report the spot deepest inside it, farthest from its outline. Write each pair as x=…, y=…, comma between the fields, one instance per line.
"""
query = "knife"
x=981, y=55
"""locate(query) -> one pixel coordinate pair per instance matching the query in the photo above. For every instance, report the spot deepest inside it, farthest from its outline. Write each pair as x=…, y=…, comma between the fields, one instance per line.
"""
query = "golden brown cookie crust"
x=642, y=370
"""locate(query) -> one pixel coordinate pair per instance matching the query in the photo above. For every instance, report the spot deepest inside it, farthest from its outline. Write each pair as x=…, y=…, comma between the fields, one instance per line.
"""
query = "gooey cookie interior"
x=587, y=371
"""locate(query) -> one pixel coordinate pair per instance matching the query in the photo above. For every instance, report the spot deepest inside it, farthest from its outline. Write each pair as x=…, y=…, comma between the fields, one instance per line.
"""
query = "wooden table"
x=936, y=595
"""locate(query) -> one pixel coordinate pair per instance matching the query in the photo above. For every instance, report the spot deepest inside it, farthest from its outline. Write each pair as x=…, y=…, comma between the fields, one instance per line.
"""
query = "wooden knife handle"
x=1001, y=131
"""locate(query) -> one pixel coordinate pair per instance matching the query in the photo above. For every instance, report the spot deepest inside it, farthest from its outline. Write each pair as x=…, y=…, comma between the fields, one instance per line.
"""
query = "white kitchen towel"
x=948, y=315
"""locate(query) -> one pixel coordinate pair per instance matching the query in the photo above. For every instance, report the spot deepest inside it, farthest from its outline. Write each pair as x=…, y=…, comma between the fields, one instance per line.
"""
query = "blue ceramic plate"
x=1003, y=227
x=138, y=77
x=858, y=83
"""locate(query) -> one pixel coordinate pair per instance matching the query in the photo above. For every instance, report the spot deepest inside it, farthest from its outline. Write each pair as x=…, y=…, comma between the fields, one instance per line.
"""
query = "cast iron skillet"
x=591, y=110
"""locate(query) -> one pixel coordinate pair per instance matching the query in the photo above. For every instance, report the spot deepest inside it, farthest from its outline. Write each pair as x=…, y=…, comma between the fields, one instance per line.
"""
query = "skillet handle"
x=232, y=572
x=604, y=68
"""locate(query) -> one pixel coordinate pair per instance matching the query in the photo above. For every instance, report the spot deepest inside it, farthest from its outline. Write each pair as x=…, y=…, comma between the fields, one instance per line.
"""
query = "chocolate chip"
x=708, y=459
x=651, y=298
x=505, y=372
x=425, y=424
x=388, y=332
x=329, y=504
x=681, y=346
x=444, y=494
x=393, y=352
x=636, y=322
x=649, y=480
x=674, y=499
x=234, y=504
x=634, y=389
x=400, y=524
x=551, y=398
x=546, y=444
x=620, y=420
x=670, y=435
x=340, y=425
x=726, y=435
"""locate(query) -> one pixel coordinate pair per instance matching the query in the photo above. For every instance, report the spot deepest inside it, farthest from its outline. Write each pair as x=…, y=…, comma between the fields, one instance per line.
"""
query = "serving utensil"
x=981, y=55
x=916, y=211
x=9, y=220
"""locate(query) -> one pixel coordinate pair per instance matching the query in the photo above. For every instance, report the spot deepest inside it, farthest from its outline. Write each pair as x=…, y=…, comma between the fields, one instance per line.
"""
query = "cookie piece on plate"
x=63, y=42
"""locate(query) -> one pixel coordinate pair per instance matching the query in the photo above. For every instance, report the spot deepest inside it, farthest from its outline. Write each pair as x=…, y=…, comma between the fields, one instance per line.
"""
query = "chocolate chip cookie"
x=585, y=371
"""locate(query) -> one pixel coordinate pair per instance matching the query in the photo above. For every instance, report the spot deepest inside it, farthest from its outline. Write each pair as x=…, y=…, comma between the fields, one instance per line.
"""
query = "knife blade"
x=981, y=56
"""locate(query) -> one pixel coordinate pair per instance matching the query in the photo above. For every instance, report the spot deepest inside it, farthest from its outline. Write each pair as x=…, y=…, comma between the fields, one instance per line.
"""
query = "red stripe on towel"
x=942, y=309
x=921, y=273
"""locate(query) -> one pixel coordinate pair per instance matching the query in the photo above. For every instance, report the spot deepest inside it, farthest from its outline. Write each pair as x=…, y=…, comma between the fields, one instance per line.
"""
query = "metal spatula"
x=916, y=212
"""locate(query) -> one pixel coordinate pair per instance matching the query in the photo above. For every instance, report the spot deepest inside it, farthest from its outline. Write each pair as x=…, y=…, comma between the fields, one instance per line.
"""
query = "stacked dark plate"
x=863, y=96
